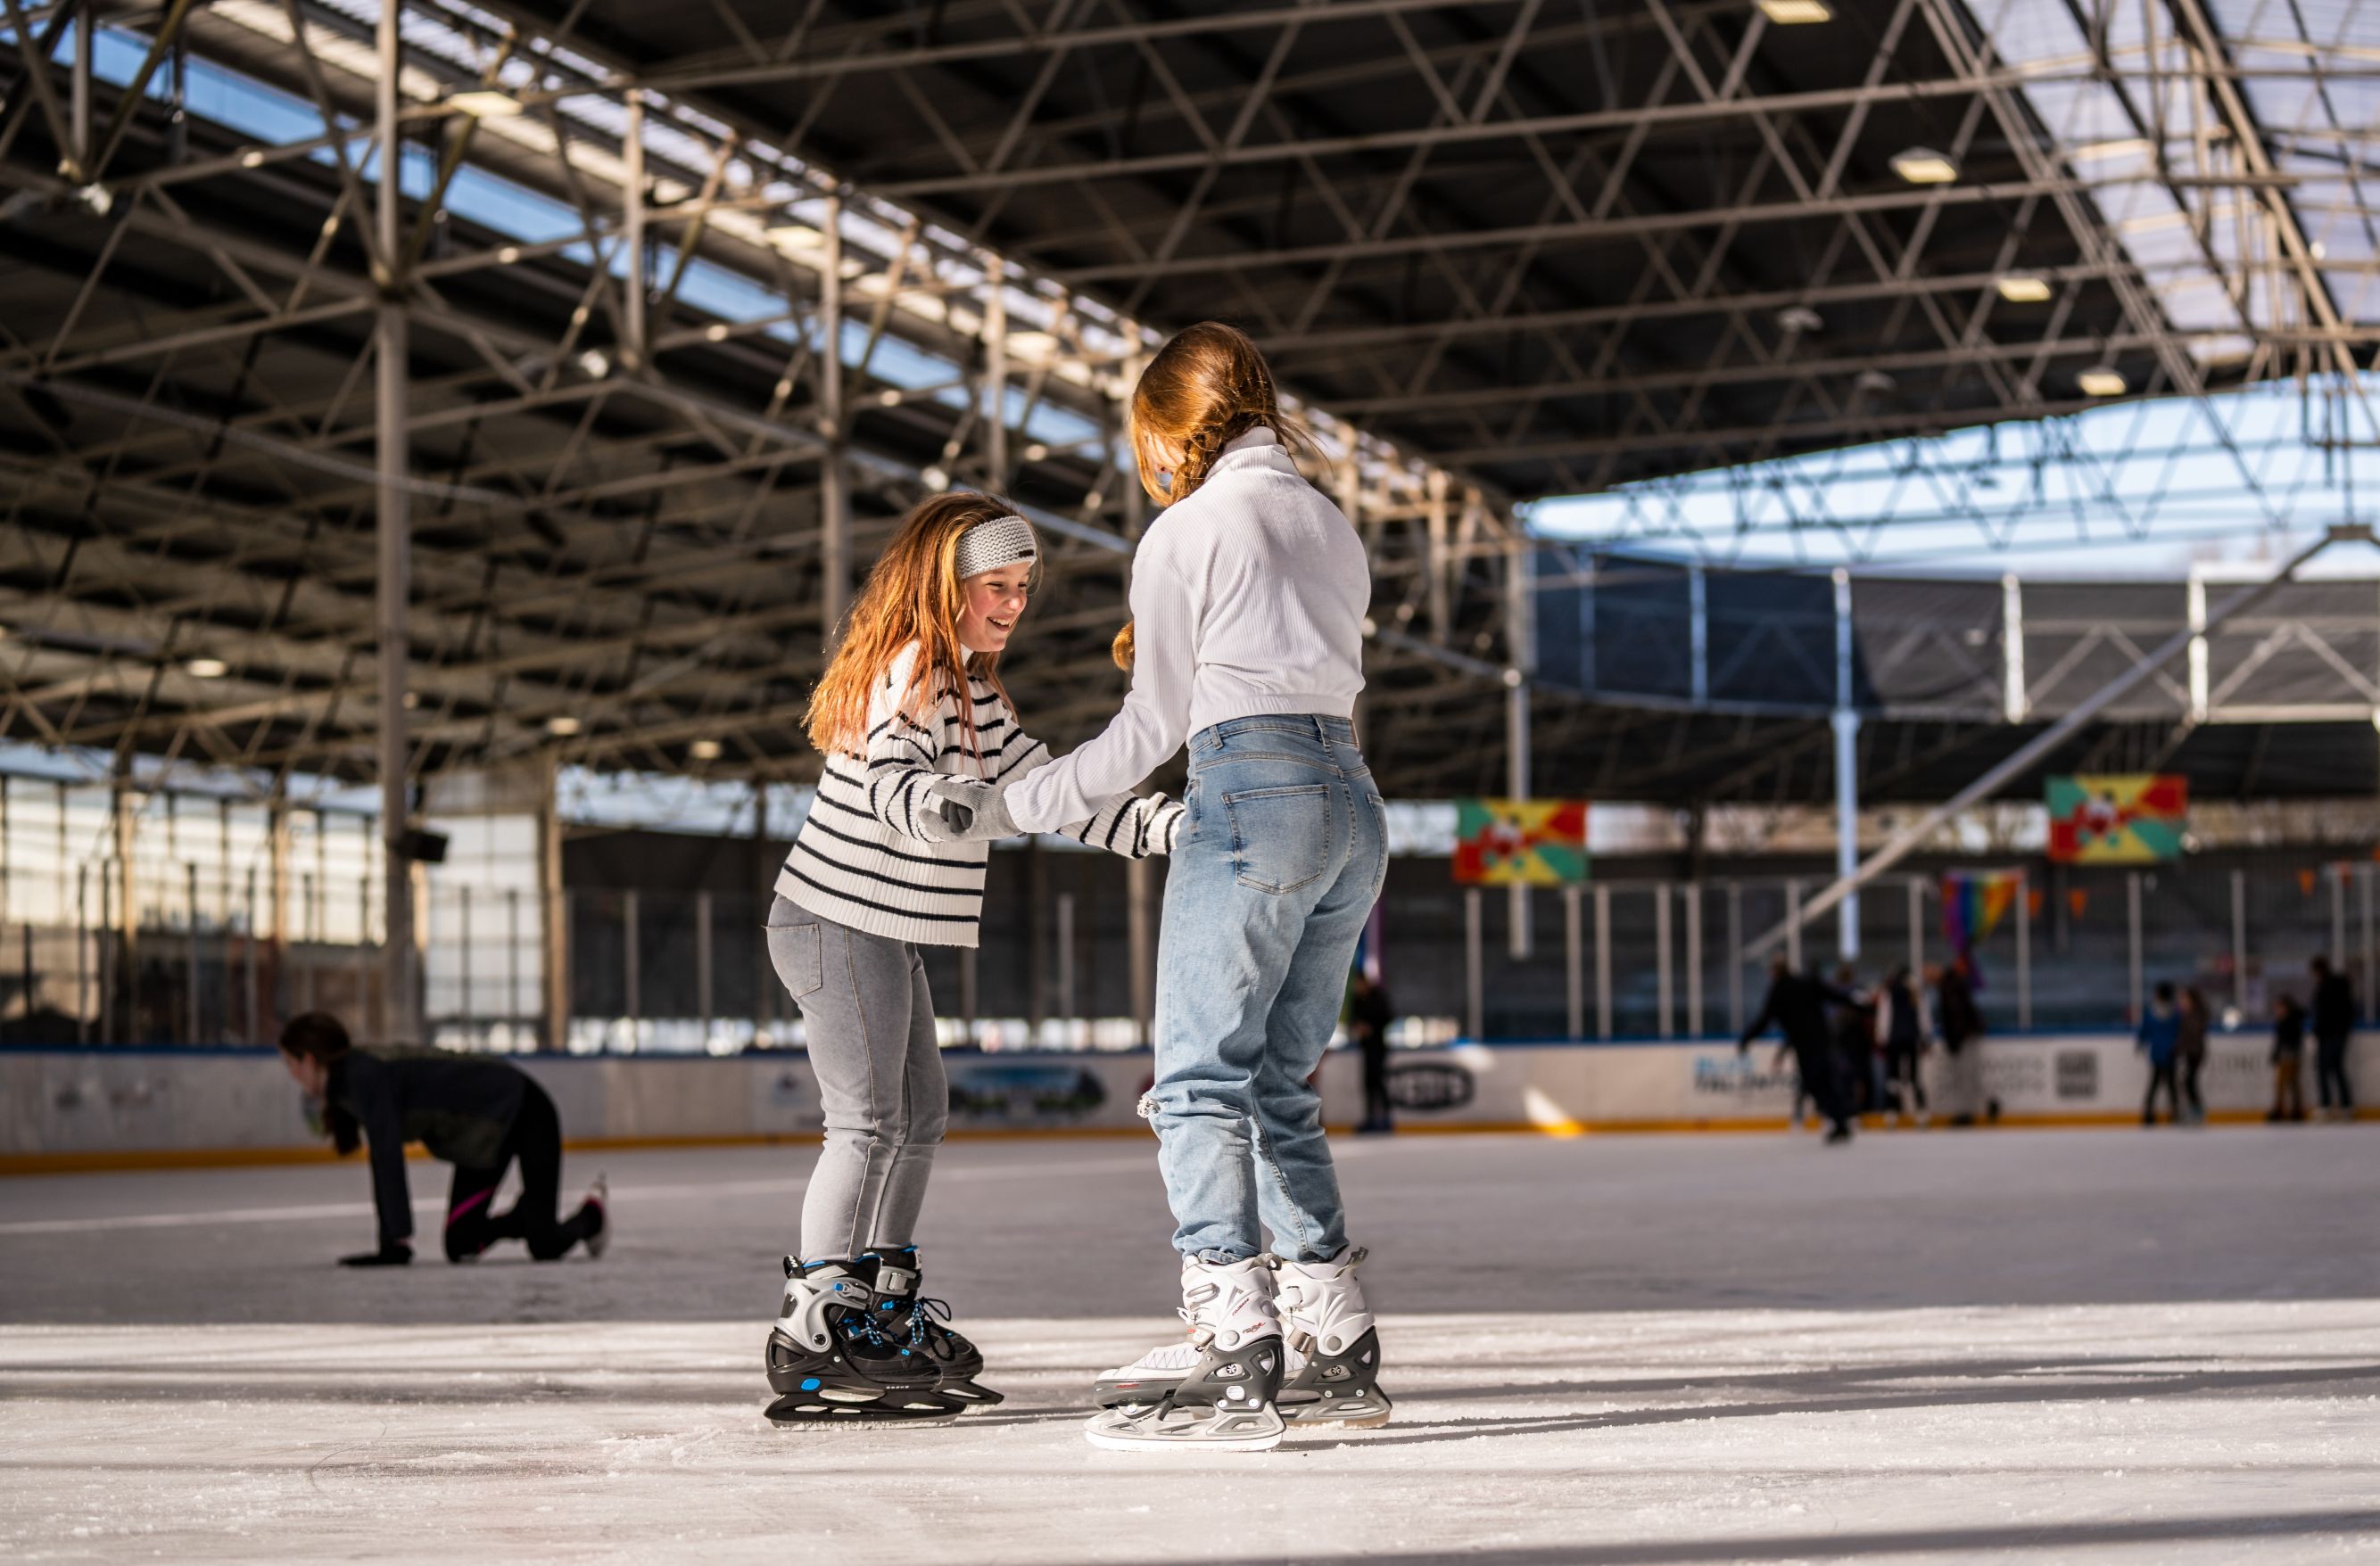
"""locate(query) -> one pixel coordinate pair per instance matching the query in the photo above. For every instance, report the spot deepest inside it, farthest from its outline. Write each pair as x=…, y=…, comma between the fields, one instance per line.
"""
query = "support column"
x=2135, y=963
x=2370, y=978
x=1694, y=972
x=402, y=1002
x=1662, y=984
x=1916, y=925
x=764, y=992
x=1574, y=962
x=1793, y=936
x=1735, y=958
x=2338, y=918
x=1435, y=561
x=1140, y=907
x=702, y=962
x=1603, y=962
x=2239, y=940
x=995, y=377
x=1474, y=982
x=78, y=105
x=2025, y=951
x=638, y=288
x=276, y=900
x=1067, y=1009
x=554, y=915
x=834, y=475
x=118, y=962
x=2013, y=701
x=1520, y=640
x=632, y=974
x=1847, y=728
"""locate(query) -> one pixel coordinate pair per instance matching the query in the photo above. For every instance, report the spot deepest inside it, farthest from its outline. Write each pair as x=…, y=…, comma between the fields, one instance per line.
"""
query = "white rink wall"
x=78, y=1108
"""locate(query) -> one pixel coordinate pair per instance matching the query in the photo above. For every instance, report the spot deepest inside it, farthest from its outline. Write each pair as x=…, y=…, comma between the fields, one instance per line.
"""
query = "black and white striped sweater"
x=872, y=855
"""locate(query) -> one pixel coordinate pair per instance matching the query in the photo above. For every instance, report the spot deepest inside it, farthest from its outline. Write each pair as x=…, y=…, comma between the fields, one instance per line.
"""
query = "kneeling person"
x=475, y=1112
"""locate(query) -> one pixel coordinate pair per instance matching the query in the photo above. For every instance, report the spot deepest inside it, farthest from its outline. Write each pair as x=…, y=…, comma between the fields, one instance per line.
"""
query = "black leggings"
x=2161, y=1076
x=536, y=1140
x=1900, y=1066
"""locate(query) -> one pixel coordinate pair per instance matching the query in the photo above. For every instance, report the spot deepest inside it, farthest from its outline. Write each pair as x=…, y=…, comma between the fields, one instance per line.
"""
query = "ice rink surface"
x=2035, y=1346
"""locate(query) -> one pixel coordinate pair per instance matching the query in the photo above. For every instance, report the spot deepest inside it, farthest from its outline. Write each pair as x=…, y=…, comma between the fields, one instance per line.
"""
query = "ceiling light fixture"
x=1796, y=13
x=2024, y=288
x=562, y=727
x=2102, y=381
x=485, y=104
x=1924, y=165
x=704, y=750
x=206, y=668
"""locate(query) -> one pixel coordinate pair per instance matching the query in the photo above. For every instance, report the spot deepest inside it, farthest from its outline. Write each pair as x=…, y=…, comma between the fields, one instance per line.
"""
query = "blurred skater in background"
x=1958, y=1022
x=2333, y=1022
x=1859, y=1073
x=1900, y=1033
x=2288, y=1059
x=1798, y=1005
x=2160, y=1039
x=2190, y=1051
x=475, y=1112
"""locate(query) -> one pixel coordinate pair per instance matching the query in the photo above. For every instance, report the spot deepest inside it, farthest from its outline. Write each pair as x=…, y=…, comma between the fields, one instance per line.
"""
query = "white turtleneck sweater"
x=1248, y=597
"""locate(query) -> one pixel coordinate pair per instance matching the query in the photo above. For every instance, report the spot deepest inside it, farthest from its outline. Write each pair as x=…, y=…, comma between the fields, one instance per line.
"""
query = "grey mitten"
x=991, y=818
x=950, y=807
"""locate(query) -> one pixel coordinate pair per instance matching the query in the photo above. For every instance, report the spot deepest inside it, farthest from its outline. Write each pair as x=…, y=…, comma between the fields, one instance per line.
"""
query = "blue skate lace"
x=922, y=1312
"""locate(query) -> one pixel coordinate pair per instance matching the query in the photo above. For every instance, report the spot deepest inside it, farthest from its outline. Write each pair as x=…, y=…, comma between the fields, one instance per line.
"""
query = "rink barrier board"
x=68, y=1109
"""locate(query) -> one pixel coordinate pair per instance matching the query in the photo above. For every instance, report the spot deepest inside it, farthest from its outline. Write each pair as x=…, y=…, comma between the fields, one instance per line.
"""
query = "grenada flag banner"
x=1520, y=842
x=2118, y=818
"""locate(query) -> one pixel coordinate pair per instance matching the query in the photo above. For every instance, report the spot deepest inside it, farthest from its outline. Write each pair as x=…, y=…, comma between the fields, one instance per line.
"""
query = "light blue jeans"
x=1277, y=867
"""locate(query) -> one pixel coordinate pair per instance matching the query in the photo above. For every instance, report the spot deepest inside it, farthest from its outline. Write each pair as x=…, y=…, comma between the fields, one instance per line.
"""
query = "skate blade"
x=1133, y=1394
x=969, y=1395
x=1187, y=1429
x=1354, y=1411
x=810, y=1408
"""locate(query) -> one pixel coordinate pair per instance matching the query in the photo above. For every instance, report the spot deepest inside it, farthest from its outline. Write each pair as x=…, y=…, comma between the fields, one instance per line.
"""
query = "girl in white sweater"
x=1248, y=597
x=911, y=715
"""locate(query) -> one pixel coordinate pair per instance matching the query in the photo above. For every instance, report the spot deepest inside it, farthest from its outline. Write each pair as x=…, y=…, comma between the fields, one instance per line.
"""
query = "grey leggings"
x=879, y=1073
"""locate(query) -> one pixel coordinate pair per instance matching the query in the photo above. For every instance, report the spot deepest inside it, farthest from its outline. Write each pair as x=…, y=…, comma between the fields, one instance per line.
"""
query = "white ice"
x=2035, y=1346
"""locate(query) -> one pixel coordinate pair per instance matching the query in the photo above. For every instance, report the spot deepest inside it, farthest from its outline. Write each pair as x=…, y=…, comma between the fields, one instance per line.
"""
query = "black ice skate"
x=1333, y=1361
x=957, y=1361
x=1228, y=1399
x=834, y=1357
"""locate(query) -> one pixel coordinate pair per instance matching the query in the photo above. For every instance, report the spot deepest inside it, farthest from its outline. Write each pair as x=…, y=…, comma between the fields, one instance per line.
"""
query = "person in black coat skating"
x=1797, y=1005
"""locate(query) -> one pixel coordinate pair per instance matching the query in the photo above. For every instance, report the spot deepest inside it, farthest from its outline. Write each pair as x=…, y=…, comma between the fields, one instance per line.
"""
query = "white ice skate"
x=1331, y=1372
x=1226, y=1399
x=1335, y=1353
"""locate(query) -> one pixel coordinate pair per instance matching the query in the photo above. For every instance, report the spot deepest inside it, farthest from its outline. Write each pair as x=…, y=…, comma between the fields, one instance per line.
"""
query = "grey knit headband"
x=988, y=546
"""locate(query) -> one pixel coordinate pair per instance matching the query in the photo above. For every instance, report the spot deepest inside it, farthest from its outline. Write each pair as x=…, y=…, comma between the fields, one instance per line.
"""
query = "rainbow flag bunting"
x=1520, y=842
x=2118, y=818
x=1972, y=907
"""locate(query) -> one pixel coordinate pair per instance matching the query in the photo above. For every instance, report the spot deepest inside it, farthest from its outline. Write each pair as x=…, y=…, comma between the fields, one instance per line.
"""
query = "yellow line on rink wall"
x=125, y=1160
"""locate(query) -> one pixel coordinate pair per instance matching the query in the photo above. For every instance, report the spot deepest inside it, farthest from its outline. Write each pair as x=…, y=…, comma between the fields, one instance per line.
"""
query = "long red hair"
x=912, y=595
